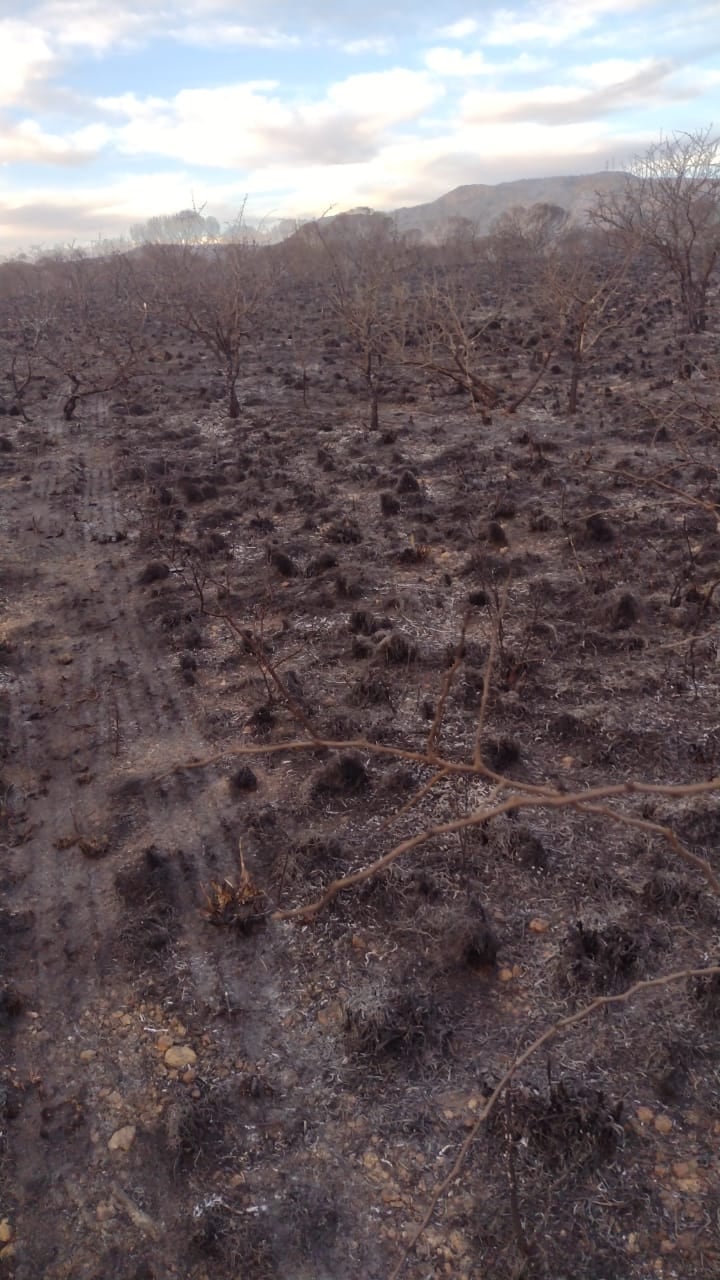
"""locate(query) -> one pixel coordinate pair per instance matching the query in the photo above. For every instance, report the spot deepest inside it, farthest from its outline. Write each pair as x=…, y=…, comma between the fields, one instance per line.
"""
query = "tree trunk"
x=374, y=410
x=233, y=402
x=574, y=385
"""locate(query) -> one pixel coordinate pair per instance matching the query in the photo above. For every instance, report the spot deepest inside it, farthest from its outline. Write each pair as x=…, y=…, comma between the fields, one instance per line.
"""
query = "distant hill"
x=482, y=204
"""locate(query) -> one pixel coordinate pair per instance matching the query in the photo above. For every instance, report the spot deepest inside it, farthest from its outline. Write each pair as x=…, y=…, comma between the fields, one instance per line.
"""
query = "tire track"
x=94, y=704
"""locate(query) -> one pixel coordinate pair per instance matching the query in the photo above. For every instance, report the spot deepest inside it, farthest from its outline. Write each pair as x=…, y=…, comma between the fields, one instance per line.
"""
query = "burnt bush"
x=606, y=958
x=395, y=1022
x=154, y=571
x=342, y=776
x=569, y=1126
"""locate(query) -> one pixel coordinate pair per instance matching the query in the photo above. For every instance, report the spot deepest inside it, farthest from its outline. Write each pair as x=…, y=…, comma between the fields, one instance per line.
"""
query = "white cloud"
x=372, y=44
x=26, y=57
x=25, y=141
x=458, y=30
x=554, y=23
x=92, y=24
x=224, y=34
x=453, y=62
x=590, y=95
x=249, y=124
x=386, y=97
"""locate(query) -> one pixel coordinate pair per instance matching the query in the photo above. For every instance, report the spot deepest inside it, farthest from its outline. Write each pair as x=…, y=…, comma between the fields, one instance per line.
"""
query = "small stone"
x=164, y=1043
x=7, y=1253
x=663, y=1124
x=6, y=1232
x=87, y=1055
x=645, y=1115
x=505, y=975
x=122, y=1139
x=681, y=1168
x=539, y=926
x=180, y=1055
x=115, y=1098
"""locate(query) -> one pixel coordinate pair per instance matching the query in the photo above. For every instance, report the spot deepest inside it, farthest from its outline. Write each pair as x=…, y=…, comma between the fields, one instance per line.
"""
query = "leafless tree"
x=368, y=268
x=670, y=203
x=221, y=294
x=583, y=284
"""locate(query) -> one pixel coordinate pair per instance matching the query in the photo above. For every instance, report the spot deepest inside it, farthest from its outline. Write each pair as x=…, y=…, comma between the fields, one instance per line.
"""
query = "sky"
x=113, y=112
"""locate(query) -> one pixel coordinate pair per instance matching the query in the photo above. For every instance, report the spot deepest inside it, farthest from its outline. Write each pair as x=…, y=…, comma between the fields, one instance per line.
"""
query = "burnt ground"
x=192, y=1087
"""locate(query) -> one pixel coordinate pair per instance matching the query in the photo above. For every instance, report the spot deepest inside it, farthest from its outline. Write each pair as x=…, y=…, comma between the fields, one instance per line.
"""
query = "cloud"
x=224, y=34
x=26, y=142
x=642, y=84
x=446, y=61
x=453, y=62
x=249, y=124
x=26, y=57
x=553, y=23
x=369, y=44
x=458, y=30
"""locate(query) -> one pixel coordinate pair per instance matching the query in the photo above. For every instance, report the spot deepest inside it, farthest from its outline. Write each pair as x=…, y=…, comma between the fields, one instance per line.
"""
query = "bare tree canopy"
x=671, y=206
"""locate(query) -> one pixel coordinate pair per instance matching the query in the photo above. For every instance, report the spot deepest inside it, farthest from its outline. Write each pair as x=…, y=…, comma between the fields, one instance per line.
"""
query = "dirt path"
x=106, y=961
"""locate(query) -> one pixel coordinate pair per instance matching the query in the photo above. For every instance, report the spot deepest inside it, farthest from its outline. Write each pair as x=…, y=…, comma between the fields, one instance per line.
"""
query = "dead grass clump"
x=599, y=529
x=11, y=1005
x=244, y=779
x=370, y=691
x=312, y=859
x=496, y=535
x=320, y=564
x=240, y=1244
x=281, y=562
x=346, y=532
x=569, y=1126
x=154, y=571
x=343, y=775
x=396, y=649
x=195, y=1129
x=606, y=958
x=396, y=1022
x=348, y=587
x=363, y=623
x=666, y=892
x=389, y=505
x=148, y=892
x=620, y=612
x=501, y=753
x=407, y=482
x=529, y=850
x=706, y=991
x=466, y=939
x=262, y=719
x=148, y=881
x=235, y=906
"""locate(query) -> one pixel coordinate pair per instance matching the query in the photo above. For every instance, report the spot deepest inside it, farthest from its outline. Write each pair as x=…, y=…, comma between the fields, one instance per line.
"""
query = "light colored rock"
x=122, y=1139
x=180, y=1055
x=6, y=1232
